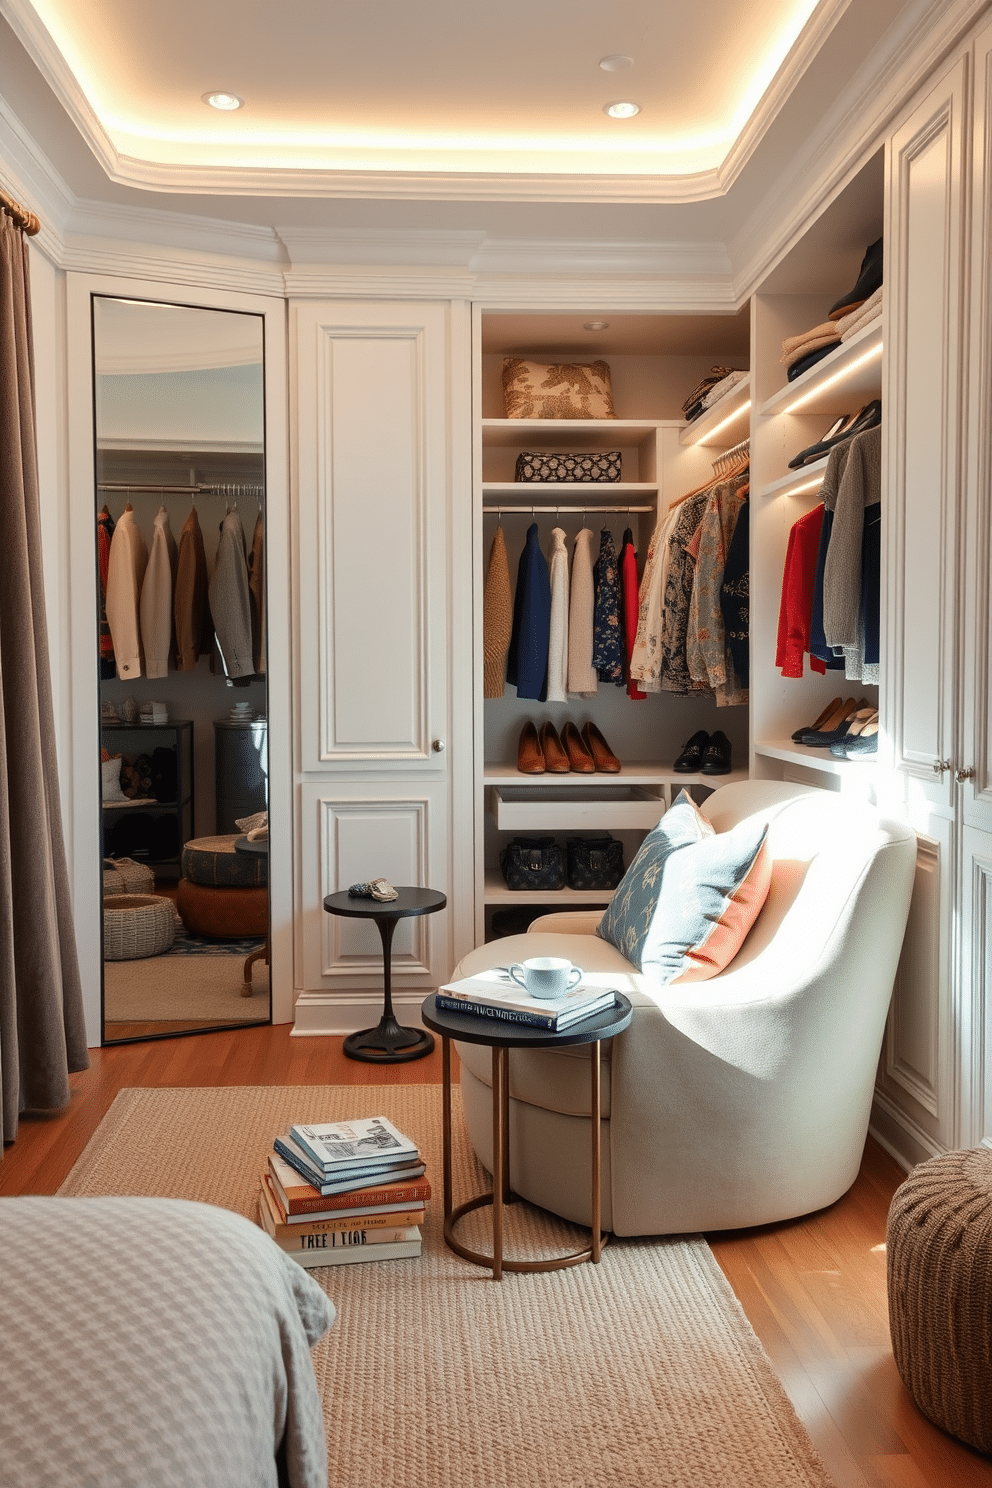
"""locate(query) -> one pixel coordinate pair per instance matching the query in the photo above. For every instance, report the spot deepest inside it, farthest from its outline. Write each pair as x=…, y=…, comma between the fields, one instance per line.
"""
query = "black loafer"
x=865, y=419
x=716, y=756
x=690, y=761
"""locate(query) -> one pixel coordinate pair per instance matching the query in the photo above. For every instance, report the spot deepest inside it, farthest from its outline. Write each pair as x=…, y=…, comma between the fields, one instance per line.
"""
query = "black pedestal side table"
x=502, y=1037
x=387, y=1043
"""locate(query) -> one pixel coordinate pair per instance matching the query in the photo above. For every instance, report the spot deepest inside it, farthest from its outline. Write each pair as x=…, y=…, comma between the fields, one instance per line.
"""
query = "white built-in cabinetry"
x=382, y=558
x=661, y=460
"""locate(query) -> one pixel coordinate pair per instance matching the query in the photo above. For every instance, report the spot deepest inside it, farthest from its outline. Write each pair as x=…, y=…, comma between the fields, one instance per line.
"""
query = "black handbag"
x=593, y=466
x=594, y=862
x=533, y=863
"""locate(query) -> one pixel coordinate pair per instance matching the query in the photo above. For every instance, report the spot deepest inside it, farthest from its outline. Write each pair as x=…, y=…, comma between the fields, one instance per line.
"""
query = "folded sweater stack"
x=804, y=351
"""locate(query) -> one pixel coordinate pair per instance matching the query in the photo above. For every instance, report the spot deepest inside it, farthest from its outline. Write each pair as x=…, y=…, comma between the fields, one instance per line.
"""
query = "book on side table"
x=361, y=1217
x=494, y=994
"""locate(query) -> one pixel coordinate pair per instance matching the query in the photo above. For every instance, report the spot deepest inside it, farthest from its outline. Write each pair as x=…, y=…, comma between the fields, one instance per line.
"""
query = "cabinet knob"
x=939, y=766
x=968, y=774
x=438, y=746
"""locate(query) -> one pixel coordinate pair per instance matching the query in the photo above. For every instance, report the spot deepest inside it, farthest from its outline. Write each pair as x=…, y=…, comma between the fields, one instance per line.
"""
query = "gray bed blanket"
x=154, y=1343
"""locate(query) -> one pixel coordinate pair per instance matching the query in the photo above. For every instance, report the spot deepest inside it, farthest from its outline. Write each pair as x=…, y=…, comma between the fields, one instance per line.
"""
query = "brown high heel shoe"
x=603, y=757
x=555, y=757
x=579, y=757
x=820, y=720
x=530, y=756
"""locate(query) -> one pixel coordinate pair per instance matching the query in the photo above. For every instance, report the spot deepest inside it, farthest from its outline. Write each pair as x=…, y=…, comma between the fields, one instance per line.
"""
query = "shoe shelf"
x=788, y=751
x=725, y=423
x=850, y=375
x=798, y=482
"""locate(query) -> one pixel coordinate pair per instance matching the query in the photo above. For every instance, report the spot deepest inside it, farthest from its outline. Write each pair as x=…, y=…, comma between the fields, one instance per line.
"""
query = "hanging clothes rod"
x=212, y=488
x=732, y=458
x=548, y=511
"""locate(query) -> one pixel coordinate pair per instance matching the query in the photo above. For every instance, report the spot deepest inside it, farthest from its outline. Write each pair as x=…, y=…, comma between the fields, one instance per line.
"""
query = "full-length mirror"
x=179, y=534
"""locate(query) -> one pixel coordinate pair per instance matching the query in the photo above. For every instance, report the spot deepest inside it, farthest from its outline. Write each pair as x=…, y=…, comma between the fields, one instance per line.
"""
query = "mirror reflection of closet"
x=180, y=545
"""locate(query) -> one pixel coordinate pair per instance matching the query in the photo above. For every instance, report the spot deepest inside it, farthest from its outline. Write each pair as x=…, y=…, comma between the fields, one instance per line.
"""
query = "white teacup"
x=546, y=976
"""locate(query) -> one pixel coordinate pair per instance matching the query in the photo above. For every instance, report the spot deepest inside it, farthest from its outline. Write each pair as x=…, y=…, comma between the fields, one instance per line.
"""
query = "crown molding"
x=365, y=246
x=370, y=185
x=856, y=126
x=33, y=181
x=628, y=293
x=707, y=261
x=378, y=281
x=796, y=64
x=27, y=26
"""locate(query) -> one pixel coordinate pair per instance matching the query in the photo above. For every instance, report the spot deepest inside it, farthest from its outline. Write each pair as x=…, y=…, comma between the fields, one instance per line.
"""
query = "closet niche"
x=654, y=362
x=180, y=549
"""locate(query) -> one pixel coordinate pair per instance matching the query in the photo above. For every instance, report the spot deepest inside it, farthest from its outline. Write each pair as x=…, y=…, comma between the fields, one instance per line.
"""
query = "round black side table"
x=501, y=1038
x=387, y=1043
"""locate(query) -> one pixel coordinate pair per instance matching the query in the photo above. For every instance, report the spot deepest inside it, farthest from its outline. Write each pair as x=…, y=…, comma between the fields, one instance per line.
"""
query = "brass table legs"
x=502, y=1194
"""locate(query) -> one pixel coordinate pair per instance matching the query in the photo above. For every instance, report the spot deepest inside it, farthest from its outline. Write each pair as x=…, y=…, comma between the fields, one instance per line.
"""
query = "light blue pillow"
x=685, y=906
x=626, y=923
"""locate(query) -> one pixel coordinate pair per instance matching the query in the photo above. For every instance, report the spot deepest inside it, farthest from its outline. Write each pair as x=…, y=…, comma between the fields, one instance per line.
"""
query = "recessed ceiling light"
x=616, y=63
x=223, y=100
x=623, y=110
x=595, y=325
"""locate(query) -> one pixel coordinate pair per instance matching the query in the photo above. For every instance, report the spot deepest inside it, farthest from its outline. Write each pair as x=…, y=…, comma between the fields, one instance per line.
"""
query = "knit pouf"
x=939, y=1265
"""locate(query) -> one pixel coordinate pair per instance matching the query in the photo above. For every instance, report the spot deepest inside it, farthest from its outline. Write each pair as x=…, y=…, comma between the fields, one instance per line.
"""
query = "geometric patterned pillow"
x=697, y=895
x=627, y=919
x=557, y=390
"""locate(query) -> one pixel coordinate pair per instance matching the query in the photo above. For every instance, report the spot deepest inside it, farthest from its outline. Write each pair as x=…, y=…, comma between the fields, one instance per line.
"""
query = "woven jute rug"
x=206, y=988
x=641, y=1372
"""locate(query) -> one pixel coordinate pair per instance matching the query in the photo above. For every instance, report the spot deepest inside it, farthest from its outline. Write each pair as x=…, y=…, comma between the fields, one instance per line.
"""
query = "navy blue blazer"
x=527, y=662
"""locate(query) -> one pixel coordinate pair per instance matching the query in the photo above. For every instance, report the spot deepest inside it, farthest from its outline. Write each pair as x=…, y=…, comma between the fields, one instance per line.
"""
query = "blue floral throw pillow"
x=627, y=920
x=689, y=898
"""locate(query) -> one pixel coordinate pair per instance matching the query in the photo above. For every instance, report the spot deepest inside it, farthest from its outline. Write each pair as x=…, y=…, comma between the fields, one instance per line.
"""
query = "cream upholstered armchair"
x=735, y=1101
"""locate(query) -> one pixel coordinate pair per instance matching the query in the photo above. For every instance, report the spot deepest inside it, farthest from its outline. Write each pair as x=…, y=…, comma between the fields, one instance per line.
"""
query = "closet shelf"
x=723, y=424
x=850, y=375
x=496, y=893
x=571, y=434
x=816, y=759
x=798, y=482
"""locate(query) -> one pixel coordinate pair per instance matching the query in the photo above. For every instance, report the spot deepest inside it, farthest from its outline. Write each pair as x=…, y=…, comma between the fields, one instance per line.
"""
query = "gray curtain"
x=42, y=1034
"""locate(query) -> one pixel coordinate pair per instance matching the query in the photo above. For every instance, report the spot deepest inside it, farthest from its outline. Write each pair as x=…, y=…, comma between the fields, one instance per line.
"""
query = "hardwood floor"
x=814, y=1289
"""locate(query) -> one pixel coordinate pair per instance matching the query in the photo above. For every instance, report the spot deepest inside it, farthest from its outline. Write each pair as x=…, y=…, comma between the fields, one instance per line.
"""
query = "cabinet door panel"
x=916, y=1072
x=925, y=241
x=372, y=534
x=976, y=986
x=350, y=833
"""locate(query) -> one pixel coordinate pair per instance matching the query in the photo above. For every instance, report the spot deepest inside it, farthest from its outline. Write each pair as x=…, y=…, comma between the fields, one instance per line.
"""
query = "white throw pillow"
x=111, y=779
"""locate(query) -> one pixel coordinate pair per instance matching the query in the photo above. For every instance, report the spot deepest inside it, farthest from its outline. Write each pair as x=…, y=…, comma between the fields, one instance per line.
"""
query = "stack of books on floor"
x=494, y=994
x=343, y=1191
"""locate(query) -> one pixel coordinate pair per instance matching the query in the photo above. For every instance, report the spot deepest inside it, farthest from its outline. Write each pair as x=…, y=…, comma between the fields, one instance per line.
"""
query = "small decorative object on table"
x=376, y=888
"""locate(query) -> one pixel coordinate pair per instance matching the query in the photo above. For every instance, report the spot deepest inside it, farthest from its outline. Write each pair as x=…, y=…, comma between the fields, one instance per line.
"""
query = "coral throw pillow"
x=557, y=390
x=684, y=908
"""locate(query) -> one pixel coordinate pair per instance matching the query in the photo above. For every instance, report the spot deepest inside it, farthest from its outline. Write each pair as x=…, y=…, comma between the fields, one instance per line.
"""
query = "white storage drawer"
x=550, y=808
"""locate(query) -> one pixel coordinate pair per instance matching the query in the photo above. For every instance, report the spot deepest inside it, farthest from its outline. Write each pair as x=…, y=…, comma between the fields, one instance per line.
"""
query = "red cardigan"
x=796, y=609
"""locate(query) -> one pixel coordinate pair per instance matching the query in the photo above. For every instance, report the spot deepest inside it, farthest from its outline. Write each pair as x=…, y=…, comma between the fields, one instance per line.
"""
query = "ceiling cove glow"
x=366, y=148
